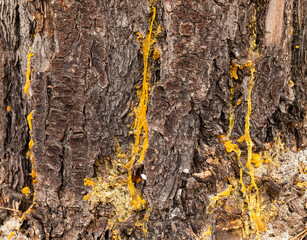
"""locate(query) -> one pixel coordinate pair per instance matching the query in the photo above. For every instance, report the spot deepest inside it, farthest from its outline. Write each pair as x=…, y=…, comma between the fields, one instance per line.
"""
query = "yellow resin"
x=29, y=118
x=267, y=158
x=226, y=193
x=144, y=222
x=140, y=122
x=239, y=102
x=8, y=108
x=28, y=73
x=252, y=199
x=250, y=192
x=12, y=234
x=34, y=173
x=118, y=188
x=86, y=197
x=302, y=184
x=156, y=54
x=25, y=190
x=136, y=200
x=234, y=68
x=243, y=187
x=114, y=190
x=28, y=211
x=229, y=146
x=233, y=72
x=256, y=160
x=89, y=182
x=28, y=154
x=207, y=233
x=31, y=144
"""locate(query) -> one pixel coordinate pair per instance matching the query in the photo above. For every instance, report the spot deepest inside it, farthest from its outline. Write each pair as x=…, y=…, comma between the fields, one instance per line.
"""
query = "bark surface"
x=85, y=75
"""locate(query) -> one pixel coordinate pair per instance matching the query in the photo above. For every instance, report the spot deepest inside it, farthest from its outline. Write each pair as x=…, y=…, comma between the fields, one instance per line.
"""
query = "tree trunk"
x=150, y=119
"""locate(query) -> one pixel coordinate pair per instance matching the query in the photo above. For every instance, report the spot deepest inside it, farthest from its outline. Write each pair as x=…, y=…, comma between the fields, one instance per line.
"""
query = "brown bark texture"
x=86, y=72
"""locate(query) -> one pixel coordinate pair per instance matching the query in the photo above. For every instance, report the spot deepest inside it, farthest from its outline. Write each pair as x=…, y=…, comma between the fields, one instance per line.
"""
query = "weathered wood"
x=85, y=73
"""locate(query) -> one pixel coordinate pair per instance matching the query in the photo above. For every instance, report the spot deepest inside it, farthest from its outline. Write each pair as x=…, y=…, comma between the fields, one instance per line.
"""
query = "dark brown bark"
x=13, y=135
x=87, y=67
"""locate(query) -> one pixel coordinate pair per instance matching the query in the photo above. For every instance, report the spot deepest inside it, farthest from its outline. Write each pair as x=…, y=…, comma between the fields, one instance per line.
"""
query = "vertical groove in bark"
x=298, y=108
x=14, y=167
x=87, y=66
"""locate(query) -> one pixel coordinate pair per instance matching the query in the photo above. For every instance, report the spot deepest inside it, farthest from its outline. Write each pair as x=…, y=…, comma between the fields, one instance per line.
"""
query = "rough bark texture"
x=87, y=67
x=14, y=168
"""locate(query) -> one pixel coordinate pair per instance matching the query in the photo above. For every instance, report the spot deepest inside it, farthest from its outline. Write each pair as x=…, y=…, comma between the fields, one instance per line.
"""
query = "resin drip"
x=140, y=124
x=29, y=153
x=250, y=191
x=118, y=188
x=28, y=73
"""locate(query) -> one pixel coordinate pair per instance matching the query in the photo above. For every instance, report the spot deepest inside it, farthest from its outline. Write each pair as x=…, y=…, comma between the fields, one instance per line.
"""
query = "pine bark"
x=85, y=73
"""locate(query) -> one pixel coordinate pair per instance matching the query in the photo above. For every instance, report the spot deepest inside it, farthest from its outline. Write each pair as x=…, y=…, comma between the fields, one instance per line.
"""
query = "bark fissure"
x=89, y=74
